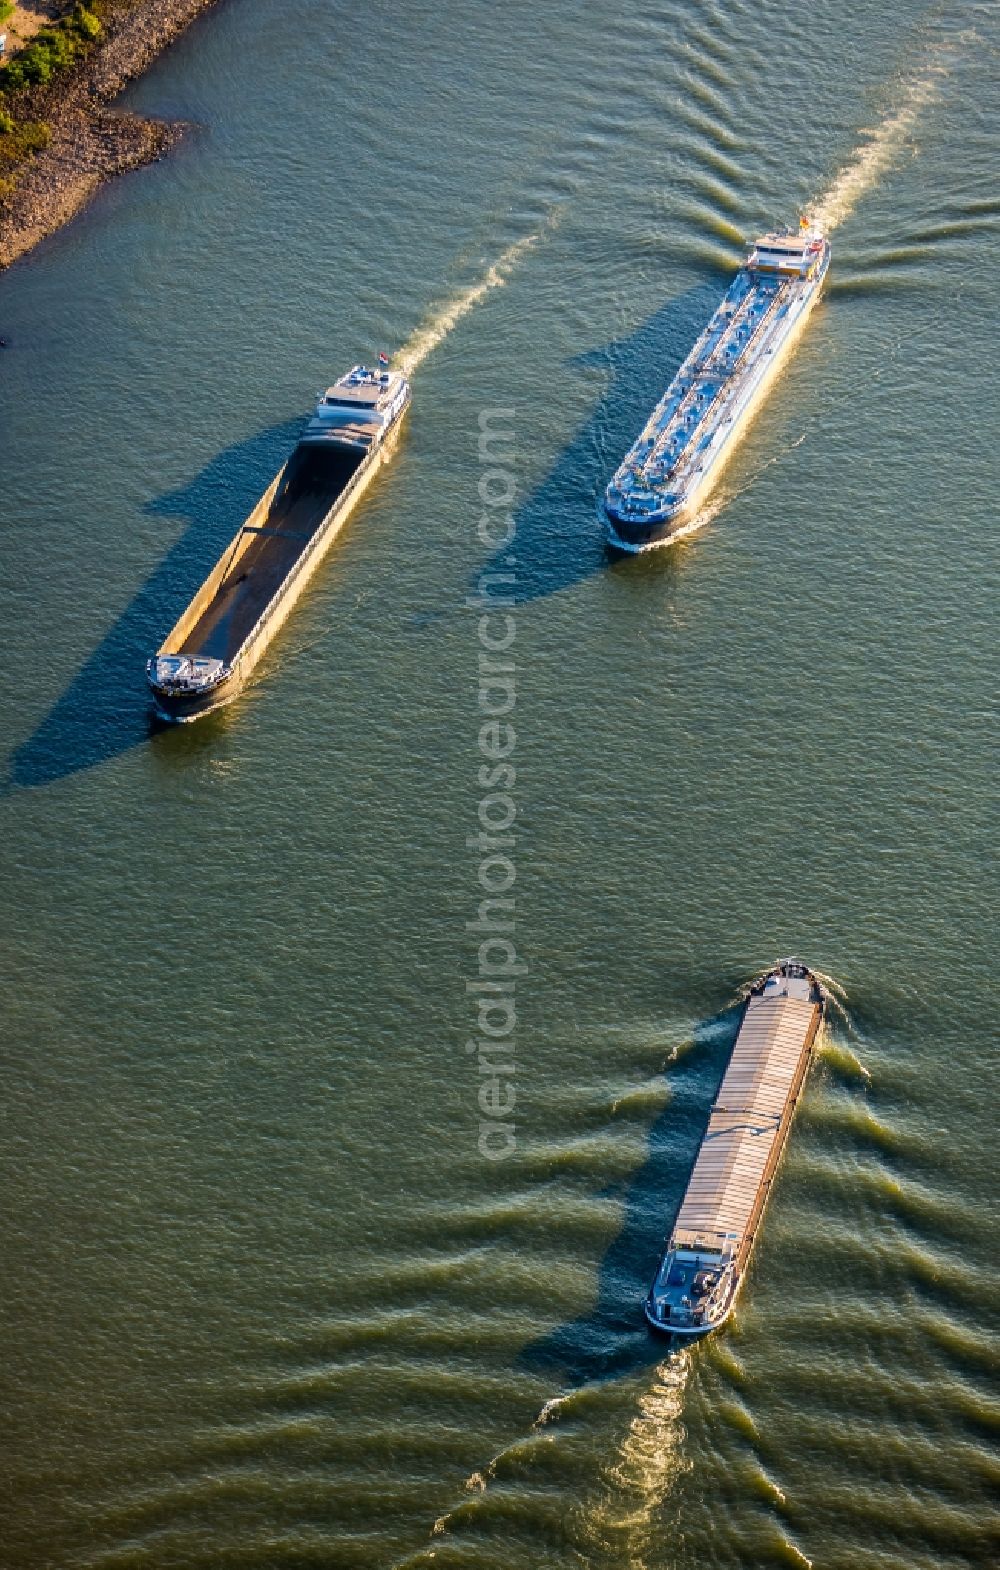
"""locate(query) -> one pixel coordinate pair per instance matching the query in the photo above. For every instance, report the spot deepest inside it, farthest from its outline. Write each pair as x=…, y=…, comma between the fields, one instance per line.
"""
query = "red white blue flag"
x=383, y=358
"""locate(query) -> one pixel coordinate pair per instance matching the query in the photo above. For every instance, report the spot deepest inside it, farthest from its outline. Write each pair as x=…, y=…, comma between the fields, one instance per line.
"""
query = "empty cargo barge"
x=706, y=1257
x=207, y=656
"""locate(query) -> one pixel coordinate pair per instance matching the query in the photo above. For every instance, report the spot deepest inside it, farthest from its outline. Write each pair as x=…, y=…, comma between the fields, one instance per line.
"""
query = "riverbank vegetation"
x=23, y=78
x=61, y=135
x=53, y=49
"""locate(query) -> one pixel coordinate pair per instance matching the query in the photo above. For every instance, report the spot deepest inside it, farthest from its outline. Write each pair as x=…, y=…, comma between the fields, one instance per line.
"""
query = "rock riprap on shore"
x=87, y=142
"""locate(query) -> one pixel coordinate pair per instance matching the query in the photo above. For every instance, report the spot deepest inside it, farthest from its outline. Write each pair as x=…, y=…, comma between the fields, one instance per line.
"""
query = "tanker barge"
x=654, y=496
x=708, y=1250
x=207, y=656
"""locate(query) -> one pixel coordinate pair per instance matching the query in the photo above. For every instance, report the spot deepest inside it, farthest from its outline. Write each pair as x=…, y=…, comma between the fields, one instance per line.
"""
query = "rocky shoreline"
x=89, y=142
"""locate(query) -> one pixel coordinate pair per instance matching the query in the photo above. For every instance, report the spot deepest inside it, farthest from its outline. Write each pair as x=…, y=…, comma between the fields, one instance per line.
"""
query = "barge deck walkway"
x=748, y=1123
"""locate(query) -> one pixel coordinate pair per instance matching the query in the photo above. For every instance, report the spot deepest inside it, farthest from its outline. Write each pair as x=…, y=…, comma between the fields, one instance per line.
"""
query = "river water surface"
x=265, y=1304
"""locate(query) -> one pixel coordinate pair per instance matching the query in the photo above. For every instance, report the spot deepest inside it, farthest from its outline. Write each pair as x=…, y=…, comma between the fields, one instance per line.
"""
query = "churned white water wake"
x=882, y=144
x=479, y=1481
x=698, y=520
x=435, y=330
x=635, y=1482
x=523, y=1448
x=551, y=1409
x=647, y=1464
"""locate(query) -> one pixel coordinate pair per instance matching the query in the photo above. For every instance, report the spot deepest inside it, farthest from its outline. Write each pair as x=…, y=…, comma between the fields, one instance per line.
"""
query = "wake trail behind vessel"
x=635, y=1485
x=523, y=1448
x=433, y=332
x=881, y=148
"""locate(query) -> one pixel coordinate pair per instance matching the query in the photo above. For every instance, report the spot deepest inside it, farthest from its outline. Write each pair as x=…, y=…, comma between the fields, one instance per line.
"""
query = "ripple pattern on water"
x=265, y=1305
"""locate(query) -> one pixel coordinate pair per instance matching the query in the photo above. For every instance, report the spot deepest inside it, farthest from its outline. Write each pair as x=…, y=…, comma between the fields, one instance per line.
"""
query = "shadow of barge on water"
x=560, y=538
x=105, y=710
x=613, y=1338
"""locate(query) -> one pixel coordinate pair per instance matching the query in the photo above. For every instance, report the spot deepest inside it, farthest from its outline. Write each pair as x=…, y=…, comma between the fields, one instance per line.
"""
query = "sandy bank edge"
x=91, y=143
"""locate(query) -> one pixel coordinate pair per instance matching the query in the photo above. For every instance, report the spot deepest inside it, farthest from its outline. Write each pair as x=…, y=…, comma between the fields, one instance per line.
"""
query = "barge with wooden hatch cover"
x=654, y=496
x=706, y=1256
x=207, y=656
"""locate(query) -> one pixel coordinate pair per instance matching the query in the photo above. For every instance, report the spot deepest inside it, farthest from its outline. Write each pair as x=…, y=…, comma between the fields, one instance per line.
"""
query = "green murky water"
x=265, y=1304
